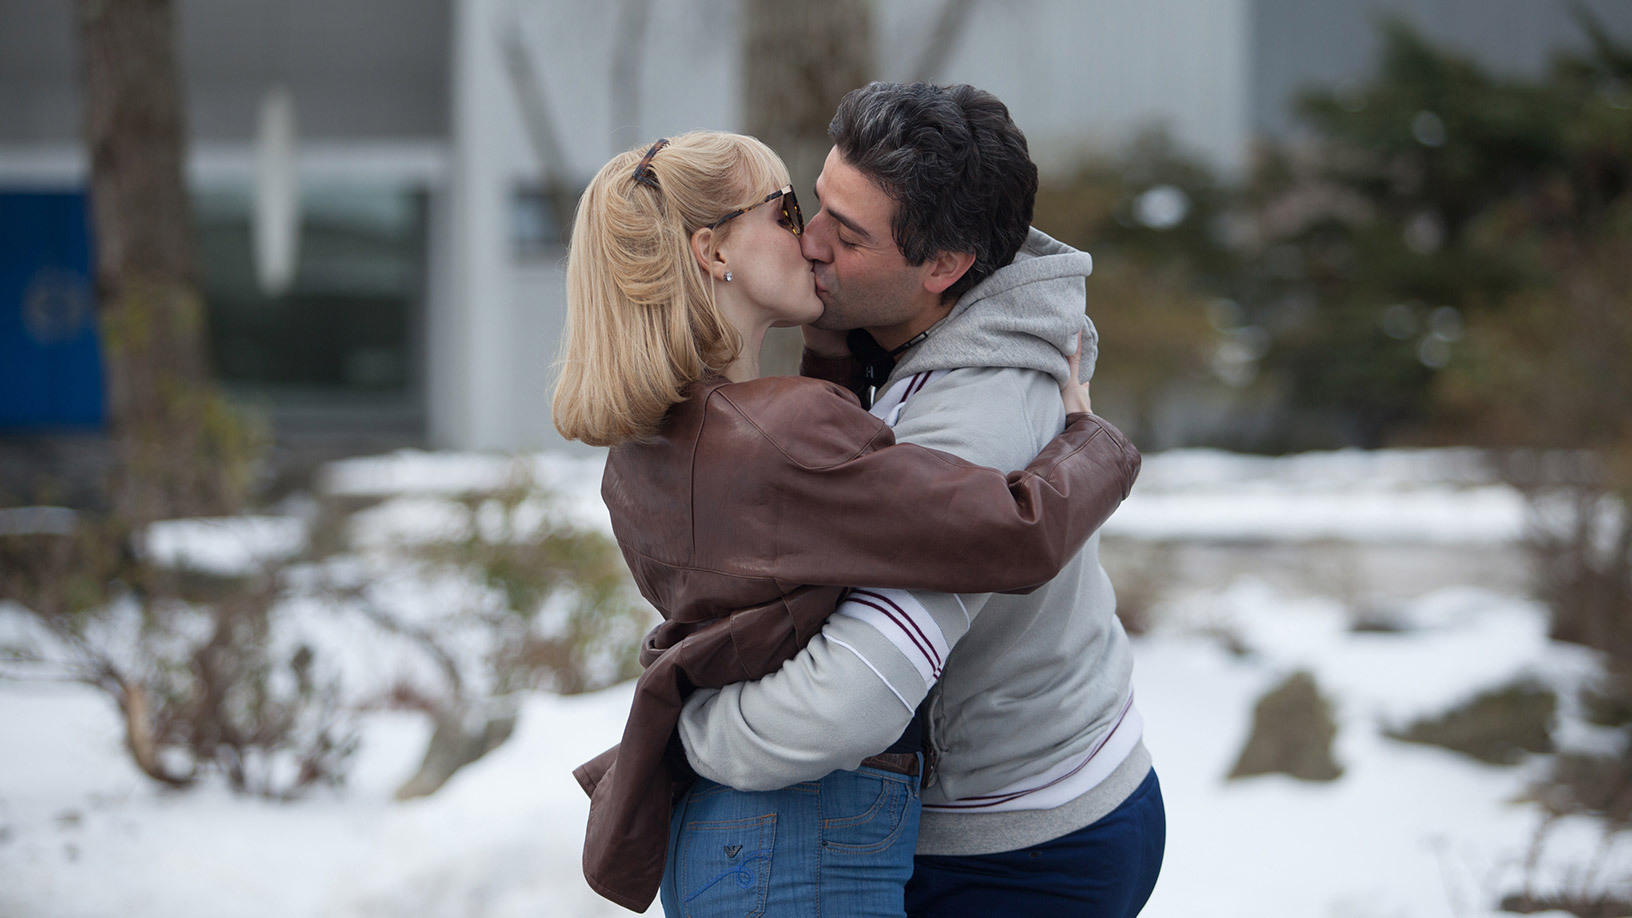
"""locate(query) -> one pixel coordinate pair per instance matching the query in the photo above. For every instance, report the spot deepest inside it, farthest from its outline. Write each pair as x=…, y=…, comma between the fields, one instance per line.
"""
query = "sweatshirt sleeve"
x=852, y=690
x=847, y=695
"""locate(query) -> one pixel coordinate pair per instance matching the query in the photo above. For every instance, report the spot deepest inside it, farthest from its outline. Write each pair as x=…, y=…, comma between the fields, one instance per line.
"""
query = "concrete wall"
x=359, y=69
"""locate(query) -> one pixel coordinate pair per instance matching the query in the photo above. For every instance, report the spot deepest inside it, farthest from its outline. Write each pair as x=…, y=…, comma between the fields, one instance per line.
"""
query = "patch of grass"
x=1578, y=784
x=1611, y=704
x=1580, y=906
x=1597, y=787
x=330, y=530
x=1377, y=618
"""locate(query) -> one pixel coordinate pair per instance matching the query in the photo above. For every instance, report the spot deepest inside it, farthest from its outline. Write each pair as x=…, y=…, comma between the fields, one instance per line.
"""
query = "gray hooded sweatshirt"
x=1029, y=696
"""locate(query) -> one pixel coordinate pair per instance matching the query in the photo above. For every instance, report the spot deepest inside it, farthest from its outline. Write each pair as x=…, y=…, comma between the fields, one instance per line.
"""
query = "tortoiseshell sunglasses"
x=792, y=220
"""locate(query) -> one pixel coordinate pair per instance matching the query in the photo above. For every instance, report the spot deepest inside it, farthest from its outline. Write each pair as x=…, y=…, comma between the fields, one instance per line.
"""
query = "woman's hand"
x=1075, y=393
x=826, y=343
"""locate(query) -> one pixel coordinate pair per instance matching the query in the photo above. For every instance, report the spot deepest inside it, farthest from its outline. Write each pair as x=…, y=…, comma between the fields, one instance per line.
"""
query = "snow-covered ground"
x=1406, y=831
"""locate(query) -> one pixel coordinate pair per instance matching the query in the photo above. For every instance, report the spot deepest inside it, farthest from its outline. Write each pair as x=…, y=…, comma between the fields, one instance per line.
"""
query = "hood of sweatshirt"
x=1028, y=314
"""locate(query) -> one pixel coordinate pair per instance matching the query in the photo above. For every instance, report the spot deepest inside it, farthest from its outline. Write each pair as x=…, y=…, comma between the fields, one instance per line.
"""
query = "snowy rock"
x=1292, y=732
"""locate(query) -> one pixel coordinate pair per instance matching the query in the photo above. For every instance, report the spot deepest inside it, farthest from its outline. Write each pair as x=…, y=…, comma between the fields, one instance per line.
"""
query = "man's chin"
x=831, y=321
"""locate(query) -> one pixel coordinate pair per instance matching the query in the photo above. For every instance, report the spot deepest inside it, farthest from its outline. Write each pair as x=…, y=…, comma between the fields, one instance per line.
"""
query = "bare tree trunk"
x=167, y=425
x=144, y=749
x=538, y=118
x=799, y=59
x=628, y=54
x=949, y=26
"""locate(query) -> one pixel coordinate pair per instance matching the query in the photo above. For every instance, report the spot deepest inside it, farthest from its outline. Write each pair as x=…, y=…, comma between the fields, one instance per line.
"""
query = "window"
x=344, y=338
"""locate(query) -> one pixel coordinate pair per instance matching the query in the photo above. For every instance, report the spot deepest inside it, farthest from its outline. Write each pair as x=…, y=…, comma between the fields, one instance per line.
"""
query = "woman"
x=746, y=506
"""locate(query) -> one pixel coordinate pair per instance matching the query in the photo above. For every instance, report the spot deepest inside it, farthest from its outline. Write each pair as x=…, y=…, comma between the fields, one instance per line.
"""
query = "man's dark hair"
x=953, y=161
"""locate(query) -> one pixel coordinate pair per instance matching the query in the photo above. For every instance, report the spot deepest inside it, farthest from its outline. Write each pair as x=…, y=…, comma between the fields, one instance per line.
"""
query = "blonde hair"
x=641, y=323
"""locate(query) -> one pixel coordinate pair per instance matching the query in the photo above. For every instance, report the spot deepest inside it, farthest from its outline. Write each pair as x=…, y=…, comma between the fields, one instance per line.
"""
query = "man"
x=1042, y=800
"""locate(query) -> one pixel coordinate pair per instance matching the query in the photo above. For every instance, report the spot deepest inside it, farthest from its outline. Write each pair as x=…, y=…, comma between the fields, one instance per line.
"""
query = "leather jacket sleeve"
x=841, y=371
x=897, y=515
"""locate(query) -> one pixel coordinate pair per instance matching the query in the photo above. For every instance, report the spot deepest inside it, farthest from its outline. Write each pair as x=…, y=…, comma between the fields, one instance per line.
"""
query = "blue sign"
x=50, y=361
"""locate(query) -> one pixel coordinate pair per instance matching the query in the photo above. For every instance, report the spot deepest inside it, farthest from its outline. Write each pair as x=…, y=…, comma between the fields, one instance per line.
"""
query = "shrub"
x=199, y=687
x=557, y=613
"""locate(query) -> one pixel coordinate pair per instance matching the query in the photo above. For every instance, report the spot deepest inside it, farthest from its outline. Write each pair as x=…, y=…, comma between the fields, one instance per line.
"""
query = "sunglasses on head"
x=792, y=220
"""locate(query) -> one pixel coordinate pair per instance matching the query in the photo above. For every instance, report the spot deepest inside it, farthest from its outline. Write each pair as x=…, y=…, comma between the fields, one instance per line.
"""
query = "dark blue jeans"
x=1103, y=870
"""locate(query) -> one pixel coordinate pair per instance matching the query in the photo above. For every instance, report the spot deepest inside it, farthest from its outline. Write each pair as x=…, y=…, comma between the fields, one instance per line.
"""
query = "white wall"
x=496, y=326
x=1078, y=74
x=1071, y=71
x=417, y=90
x=359, y=69
x=1074, y=74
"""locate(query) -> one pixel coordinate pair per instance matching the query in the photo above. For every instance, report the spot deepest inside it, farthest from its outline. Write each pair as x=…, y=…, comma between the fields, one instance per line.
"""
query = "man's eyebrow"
x=853, y=226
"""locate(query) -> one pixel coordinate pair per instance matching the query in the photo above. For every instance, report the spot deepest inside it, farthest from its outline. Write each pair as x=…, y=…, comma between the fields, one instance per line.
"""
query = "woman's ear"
x=710, y=259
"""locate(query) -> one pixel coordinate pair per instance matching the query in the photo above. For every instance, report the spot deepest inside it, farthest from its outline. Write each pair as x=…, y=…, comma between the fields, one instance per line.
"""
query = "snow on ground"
x=225, y=547
x=574, y=480
x=1407, y=831
x=1395, y=496
x=85, y=835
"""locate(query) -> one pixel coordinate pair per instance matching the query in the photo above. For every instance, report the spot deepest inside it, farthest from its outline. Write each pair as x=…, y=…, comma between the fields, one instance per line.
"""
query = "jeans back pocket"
x=863, y=812
x=725, y=867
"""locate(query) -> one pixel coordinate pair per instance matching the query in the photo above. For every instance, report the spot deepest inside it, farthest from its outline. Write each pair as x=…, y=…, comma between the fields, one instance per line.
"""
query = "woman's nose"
x=813, y=242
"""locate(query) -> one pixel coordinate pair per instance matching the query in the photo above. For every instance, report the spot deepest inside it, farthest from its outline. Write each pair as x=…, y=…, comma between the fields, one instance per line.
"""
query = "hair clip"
x=643, y=171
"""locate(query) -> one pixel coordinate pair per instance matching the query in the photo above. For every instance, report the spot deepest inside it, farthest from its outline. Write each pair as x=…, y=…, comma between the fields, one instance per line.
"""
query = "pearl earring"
x=728, y=277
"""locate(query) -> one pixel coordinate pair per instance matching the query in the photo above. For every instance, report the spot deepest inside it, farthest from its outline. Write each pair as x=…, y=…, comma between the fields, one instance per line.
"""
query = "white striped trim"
x=905, y=623
x=869, y=664
x=1067, y=780
x=889, y=404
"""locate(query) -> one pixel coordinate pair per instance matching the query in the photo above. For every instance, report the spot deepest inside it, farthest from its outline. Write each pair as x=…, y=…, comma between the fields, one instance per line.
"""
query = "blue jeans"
x=1103, y=870
x=838, y=846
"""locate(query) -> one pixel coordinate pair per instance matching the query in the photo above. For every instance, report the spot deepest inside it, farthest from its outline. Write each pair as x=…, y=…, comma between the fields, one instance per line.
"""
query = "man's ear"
x=945, y=268
x=711, y=262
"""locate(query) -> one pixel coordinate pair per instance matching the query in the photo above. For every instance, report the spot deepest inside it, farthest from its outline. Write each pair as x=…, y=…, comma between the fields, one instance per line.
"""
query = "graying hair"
x=953, y=161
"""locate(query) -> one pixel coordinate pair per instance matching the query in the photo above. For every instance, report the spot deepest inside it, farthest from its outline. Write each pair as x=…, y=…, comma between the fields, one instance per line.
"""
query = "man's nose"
x=813, y=241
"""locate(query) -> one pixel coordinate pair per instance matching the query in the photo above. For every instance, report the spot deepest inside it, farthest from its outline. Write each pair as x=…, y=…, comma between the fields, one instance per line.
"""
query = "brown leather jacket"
x=745, y=521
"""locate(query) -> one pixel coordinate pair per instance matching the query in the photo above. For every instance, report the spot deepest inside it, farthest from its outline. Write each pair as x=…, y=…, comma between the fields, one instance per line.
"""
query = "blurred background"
x=281, y=289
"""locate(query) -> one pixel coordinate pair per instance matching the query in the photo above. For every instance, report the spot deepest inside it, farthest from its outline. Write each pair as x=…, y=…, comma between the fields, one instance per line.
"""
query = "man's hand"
x=824, y=343
x=1075, y=393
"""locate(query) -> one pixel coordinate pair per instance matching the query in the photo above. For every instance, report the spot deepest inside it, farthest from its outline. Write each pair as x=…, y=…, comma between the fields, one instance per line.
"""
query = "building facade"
x=427, y=300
